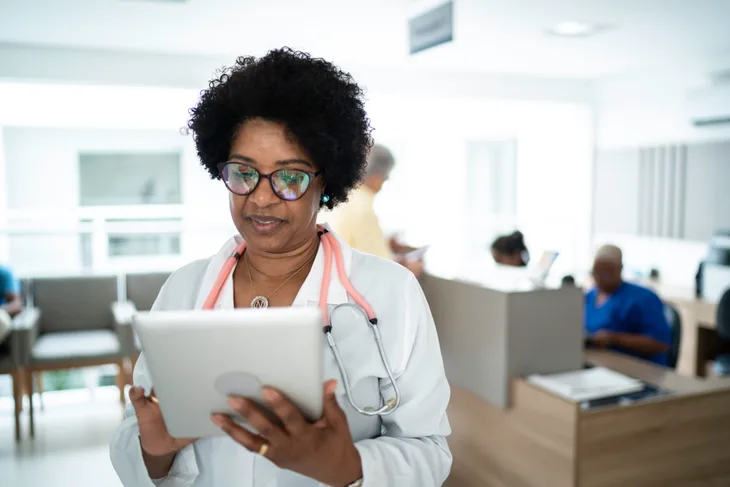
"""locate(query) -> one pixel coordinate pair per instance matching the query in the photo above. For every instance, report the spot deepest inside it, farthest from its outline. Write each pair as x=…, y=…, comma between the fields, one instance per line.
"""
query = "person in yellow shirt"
x=356, y=222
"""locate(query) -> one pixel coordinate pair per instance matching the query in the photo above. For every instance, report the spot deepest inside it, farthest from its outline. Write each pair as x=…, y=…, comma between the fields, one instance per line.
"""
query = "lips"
x=265, y=225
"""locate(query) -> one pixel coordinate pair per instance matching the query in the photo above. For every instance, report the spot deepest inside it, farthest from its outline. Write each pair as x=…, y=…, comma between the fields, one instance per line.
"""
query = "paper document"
x=417, y=254
x=587, y=384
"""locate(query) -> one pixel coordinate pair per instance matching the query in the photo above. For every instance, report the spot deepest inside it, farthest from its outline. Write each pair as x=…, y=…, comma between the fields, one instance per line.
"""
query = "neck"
x=274, y=267
x=608, y=292
x=370, y=185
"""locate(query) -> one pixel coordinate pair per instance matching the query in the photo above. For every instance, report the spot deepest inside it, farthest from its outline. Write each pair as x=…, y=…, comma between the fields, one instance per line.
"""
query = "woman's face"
x=267, y=222
x=502, y=258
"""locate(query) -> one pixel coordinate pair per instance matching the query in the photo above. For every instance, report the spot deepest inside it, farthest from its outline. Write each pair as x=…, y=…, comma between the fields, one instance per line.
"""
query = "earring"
x=325, y=198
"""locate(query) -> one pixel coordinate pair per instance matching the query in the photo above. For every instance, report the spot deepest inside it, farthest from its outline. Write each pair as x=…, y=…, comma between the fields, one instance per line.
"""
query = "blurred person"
x=567, y=281
x=288, y=136
x=11, y=303
x=358, y=225
x=622, y=316
x=10, y=300
x=510, y=250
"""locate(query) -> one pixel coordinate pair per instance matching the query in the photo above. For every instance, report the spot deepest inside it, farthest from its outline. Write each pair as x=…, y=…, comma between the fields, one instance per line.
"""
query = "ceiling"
x=506, y=37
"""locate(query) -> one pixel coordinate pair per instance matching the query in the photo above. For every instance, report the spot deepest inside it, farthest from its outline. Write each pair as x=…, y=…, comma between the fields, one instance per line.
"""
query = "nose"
x=264, y=195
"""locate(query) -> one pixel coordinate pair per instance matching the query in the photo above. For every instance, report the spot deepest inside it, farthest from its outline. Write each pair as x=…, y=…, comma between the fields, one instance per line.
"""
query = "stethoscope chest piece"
x=392, y=404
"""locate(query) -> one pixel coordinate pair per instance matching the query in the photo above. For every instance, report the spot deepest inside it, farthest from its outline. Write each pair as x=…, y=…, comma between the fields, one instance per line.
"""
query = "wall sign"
x=431, y=28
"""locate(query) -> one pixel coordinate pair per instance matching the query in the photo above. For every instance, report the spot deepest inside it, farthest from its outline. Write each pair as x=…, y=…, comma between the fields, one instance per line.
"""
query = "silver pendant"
x=260, y=302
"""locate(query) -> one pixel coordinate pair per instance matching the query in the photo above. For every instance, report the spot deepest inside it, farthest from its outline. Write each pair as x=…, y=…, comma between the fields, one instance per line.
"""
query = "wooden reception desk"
x=543, y=440
x=538, y=439
x=700, y=343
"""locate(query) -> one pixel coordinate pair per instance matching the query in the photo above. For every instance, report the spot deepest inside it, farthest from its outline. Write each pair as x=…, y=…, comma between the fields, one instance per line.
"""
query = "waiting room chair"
x=74, y=328
x=13, y=356
x=675, y=324
x=721, y=365
x=141, y=291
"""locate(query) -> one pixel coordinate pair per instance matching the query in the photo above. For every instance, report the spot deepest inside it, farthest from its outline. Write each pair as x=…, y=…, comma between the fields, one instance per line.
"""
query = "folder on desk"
x=587, y=384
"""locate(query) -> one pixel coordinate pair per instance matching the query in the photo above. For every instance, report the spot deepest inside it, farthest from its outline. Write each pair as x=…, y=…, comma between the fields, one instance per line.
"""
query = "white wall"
x=192, y=72
x=428, y=133
x=650, y=109
x=676, y=260
x=653, y=110
x=43, y=181
x=3, y=200
x=426, y=198
x=45, y=126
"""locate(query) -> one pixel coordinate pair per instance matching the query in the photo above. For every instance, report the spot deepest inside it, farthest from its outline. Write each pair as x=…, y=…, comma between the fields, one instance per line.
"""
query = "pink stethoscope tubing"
x=331, y=247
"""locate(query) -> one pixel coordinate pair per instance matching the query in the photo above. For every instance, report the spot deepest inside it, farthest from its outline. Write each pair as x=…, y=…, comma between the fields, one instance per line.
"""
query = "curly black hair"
x=321, y=106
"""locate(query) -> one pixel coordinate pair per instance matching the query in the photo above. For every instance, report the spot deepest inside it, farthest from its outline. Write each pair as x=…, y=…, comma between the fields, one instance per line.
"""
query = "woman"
x=511, y=250
x=288, y=135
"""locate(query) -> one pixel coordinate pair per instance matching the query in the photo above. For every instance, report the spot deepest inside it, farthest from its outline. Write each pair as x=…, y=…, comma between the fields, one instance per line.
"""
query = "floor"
x=71, y=447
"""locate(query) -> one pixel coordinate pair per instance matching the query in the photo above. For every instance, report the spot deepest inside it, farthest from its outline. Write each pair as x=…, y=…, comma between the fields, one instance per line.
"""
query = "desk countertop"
x=655, y=375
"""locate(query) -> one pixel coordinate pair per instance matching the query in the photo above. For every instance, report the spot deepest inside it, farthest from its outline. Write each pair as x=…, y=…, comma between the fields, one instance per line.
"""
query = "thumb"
x=332, y=410
x=139, y=400
x=136, y=397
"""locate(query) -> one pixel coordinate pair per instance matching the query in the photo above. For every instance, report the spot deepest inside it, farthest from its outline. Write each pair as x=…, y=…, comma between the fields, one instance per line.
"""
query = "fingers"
x=289, y=415
x=333, y=413
x=330, y=387
x=256, y=417
x=139, y=400
x=240, y=435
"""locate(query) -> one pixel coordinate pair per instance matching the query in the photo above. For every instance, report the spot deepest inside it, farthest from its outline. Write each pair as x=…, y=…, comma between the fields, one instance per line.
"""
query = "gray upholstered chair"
x=142, y=289
x=9, y=367
x=76, y=328
x=14, y=355
x=141, y=292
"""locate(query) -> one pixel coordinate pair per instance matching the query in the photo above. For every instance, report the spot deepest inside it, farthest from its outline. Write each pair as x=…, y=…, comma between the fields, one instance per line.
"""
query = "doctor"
x=288, y=135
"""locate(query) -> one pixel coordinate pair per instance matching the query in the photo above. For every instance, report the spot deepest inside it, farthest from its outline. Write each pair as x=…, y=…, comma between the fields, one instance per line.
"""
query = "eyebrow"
x=283, y=162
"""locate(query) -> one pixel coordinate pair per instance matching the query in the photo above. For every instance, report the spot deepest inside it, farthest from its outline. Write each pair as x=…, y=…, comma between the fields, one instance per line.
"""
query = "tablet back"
x=198, y=358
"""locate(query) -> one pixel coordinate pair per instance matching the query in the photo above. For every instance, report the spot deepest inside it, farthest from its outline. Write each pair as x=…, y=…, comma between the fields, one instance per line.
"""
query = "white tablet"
x=197, y=359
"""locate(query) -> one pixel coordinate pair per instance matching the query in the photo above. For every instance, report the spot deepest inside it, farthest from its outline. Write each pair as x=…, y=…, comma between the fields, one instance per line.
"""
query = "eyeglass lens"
x=288, y=184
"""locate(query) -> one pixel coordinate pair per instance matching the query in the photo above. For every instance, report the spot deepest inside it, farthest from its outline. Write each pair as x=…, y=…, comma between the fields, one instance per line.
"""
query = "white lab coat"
x=405, y=449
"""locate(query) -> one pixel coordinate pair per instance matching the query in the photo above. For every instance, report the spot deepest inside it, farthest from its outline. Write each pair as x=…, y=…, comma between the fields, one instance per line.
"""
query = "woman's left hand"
x=323, y=451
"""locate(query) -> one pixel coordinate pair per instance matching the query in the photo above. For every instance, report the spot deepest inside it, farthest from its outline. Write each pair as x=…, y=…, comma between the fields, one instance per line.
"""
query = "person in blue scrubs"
x=623, y=316
x=10, y=300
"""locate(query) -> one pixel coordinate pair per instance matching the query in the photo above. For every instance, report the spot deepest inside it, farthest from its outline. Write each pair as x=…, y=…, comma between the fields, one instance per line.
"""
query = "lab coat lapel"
x=211, y=273
x=309, y=292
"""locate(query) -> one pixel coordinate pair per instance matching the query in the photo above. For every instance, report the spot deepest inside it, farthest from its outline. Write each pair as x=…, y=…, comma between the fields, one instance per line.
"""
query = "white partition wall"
x=490, y=336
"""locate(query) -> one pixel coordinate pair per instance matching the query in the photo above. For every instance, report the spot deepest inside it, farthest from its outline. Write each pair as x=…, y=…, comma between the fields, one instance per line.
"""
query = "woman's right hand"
x=153, y=435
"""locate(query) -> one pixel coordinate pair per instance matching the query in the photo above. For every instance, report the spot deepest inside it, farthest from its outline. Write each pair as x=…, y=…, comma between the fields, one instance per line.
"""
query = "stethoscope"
x=330, y=246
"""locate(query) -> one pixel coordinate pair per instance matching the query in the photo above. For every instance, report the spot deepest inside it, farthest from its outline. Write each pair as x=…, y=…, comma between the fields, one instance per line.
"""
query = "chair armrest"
x=24, y=335
x=124, y=312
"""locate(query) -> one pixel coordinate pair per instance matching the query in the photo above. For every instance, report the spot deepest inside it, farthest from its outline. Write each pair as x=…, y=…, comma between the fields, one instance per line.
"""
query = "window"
x=143, y=237
x=136, y=200
x=491, y=172
x=129, y=179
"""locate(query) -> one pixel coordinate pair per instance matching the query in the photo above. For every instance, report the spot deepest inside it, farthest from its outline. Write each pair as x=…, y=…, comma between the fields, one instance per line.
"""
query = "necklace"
x=260, y=302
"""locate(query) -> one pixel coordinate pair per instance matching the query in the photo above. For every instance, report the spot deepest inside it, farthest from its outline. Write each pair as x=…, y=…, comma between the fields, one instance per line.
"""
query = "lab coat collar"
x=309, y=292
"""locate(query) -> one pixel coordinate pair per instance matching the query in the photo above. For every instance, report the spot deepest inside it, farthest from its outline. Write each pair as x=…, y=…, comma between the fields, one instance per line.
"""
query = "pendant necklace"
x=260, y=302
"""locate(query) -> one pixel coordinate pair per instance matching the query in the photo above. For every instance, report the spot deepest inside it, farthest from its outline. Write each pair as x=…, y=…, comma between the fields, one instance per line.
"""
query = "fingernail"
x=270, y=395
x=237, y=403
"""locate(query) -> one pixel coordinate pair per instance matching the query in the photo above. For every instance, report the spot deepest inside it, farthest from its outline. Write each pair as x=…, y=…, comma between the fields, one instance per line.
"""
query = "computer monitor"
x=542, y=269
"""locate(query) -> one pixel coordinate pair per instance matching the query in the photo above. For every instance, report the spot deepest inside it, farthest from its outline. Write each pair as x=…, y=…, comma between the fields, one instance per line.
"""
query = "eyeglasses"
x=288, y=184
